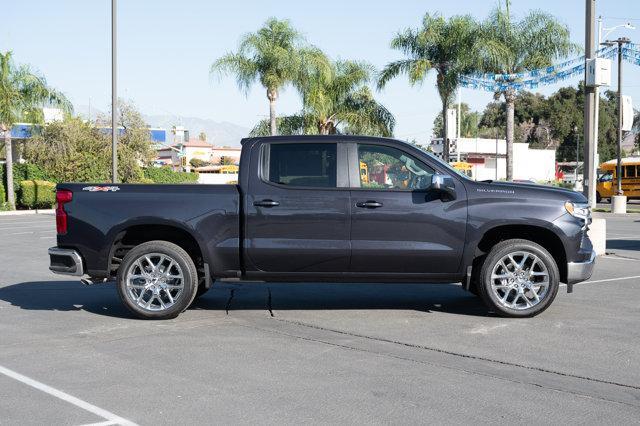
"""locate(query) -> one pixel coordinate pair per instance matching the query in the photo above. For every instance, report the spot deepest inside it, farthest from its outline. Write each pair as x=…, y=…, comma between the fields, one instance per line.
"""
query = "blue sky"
x=166, y=48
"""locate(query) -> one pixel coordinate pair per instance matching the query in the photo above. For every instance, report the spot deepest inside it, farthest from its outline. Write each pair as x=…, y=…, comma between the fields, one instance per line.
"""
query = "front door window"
x=383, y=167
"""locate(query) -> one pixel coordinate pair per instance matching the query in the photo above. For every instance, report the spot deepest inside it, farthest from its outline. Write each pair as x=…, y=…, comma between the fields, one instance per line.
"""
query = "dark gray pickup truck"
x=326, y=208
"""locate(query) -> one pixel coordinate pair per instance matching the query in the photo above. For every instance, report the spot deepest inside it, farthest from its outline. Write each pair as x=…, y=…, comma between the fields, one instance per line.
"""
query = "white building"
x=488, y=157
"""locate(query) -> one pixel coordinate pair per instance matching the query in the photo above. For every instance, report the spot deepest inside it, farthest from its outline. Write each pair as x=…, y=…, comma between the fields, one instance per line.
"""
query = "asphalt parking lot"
x=307, y=353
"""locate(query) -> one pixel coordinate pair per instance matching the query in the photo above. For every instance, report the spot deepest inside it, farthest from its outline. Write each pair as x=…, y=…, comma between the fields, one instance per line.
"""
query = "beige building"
x=179, y=155
x=228, y=152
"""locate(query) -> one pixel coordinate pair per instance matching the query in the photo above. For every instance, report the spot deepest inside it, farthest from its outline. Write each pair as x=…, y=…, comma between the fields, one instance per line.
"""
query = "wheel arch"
x=131, y=234
x=538, y=234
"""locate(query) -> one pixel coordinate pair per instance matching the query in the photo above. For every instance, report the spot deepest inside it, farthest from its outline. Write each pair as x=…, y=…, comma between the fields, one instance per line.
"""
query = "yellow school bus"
x=608, y=180
x=364, y=172
x=229, y=169
x=463, y=167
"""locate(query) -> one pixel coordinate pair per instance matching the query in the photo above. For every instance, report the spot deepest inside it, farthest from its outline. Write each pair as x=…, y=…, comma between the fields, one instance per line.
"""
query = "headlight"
x=579, y=210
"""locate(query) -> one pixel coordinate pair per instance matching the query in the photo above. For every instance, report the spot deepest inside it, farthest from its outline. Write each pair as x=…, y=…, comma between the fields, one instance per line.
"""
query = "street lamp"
x=627, y=25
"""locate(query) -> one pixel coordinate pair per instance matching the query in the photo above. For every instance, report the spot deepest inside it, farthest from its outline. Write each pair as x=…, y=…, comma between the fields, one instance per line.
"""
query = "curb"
x=28, y=212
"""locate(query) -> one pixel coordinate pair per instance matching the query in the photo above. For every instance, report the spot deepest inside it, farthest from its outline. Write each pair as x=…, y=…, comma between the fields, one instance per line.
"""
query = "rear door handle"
x=369, y=204
x=266, y=203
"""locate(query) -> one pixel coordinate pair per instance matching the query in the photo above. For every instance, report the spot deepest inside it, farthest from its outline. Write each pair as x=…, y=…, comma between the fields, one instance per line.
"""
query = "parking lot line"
x=607, y=280
x=44, y=225
x=109, y=416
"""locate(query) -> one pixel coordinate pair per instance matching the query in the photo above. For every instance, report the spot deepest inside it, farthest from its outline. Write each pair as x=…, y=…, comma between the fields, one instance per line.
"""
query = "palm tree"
x=22, y=96
x=533, y=42
x=337, y=102
x=274, y=55
x=451, y=48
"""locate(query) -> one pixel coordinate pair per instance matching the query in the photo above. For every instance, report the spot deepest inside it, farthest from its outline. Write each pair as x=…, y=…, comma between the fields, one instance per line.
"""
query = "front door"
x=397, y=224
x=297, y=209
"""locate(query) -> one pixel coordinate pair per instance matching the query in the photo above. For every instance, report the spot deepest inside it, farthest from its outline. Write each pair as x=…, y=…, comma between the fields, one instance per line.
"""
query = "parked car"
x=303, y=210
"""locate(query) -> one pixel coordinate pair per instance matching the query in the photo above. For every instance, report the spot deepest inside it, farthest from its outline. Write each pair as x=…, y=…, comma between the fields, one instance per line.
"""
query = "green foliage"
x=545, y=122
x=23, y=92
x=37, y=194
x=196, y=162
x=2, y=195
x=166, y=175
x=275, y=56
x=534, y=41
x=337, y=101
x=451, y=48
x=21, y=171
x=75, y=151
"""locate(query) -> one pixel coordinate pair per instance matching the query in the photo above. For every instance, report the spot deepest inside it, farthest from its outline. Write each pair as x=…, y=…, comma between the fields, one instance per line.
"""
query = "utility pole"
x=459, y=119
x=589, y=169
x=114, y=94
x=619, y=201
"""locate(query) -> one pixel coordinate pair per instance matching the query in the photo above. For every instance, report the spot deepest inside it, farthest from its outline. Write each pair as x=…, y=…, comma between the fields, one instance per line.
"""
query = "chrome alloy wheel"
x=154, y=282
x=520, y=280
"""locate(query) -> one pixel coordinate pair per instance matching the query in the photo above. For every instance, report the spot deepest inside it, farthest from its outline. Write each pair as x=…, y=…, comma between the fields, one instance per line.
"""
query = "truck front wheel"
x=518, y=278
x=157, y=280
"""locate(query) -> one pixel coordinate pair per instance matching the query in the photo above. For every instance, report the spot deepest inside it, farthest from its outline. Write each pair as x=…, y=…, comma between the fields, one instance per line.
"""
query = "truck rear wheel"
x=518, y=278
x=157, y=280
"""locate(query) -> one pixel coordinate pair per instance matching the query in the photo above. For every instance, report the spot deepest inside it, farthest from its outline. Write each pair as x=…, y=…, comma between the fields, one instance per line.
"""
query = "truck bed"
x=99, y=213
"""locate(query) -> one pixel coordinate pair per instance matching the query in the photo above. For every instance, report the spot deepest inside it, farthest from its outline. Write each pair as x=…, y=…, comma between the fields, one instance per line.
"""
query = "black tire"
x=184, y=261
x=598, y=197
x=497, y=253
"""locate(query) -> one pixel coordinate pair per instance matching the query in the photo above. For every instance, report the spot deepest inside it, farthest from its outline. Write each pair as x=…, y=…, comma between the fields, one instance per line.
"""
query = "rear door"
x=397, y=224
x=297, y=208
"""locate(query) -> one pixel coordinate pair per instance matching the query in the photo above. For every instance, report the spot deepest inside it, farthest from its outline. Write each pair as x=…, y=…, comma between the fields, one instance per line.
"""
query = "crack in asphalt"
x=269, y=302
x=231, y=294
x=474, y=357
x=461, y=355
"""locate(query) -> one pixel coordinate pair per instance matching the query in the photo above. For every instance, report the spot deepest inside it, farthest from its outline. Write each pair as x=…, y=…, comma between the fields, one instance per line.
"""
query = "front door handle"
x=369, y=204
x=266, y=203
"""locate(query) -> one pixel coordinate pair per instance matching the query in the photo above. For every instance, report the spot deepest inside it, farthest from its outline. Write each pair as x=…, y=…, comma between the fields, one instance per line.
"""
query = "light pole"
x=589, y=106
x=577, y=135
x=114, y=94
x=619, y=201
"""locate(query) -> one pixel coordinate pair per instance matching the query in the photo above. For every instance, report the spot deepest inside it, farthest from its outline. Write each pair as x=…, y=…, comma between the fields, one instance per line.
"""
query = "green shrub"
x=21, y=172
x=27, y=194
x=37, y=194
x=166, y=175
x=3, y=197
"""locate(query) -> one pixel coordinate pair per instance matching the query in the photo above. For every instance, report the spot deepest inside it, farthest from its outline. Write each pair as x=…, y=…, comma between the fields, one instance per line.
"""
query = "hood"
x=528, y=190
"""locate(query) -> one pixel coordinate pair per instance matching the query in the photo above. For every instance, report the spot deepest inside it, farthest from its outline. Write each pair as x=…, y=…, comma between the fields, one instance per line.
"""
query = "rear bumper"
x=580, y=271
x=65, y=262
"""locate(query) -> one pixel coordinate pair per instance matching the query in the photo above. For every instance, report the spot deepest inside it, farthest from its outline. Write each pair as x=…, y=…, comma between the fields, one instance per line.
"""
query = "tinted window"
x=383, y=167
x=303, y=164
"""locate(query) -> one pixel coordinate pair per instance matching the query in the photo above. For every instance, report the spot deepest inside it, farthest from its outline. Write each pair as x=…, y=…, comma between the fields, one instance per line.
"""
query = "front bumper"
x=65, y=262
x=580, y=271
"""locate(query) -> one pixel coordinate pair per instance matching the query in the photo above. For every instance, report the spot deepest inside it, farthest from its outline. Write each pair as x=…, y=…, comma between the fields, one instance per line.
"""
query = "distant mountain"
x=220, y=133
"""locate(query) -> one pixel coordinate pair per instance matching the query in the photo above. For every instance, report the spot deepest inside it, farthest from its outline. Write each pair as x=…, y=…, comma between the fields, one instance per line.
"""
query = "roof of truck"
x=302, y=138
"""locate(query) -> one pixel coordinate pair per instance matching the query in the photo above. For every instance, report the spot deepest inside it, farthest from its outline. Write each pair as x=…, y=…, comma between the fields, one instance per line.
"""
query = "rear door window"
x=302, y=164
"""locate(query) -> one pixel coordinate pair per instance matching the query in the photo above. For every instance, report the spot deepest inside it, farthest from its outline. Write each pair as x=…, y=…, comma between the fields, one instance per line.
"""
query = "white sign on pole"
x=627, y=113
x=451, y=123
x=598, y=72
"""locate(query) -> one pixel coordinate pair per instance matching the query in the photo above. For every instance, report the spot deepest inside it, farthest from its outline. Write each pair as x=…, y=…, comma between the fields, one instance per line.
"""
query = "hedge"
x=166, y=175
x=37, y=194
x=21, y=171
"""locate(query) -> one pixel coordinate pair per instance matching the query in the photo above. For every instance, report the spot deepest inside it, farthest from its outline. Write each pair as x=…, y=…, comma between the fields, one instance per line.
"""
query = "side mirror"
x=444, y=184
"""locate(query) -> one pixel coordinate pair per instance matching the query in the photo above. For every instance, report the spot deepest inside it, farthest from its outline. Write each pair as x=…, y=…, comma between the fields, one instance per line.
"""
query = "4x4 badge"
x=101, y=188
